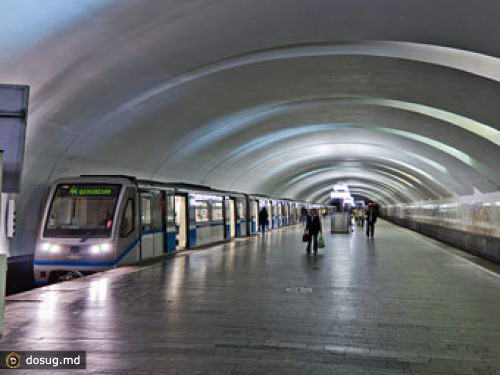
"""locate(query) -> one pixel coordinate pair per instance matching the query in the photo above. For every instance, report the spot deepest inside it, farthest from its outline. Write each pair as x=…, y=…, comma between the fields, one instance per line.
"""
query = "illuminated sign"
x=88, y=190
x=76, y=191
x=341, y=191
x=204, y=197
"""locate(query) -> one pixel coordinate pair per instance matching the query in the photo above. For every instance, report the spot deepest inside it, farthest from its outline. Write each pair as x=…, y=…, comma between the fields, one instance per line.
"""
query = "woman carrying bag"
x=313, y=229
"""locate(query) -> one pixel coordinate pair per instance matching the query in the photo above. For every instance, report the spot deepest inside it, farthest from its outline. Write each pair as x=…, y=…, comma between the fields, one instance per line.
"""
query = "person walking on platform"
x=359, y=213
x=313, y=229
x=356, y=217
x=263, y=219
x=371, y=219
x=351, y=217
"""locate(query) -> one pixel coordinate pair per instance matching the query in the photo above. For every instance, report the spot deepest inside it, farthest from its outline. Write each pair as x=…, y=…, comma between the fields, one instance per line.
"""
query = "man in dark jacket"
x=371, y=219
x=263, y=216
x=313, y=228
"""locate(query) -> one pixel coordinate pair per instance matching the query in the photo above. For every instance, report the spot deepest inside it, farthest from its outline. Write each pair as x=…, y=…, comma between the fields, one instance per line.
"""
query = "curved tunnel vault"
x=216, y=93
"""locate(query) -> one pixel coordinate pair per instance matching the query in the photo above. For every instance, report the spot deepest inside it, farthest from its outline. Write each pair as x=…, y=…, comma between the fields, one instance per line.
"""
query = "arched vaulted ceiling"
x=397, y=98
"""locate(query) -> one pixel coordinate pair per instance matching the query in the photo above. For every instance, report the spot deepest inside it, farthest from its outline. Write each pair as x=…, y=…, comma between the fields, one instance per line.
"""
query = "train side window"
x=201, y=211
x=127, y=224
x=170, y=208
x=241, y=210
x=217, y=213
x=146, y=212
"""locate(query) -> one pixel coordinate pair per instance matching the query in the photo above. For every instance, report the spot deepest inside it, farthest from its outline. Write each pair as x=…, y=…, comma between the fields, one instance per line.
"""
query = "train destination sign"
x=82, y=190
x=76, y=191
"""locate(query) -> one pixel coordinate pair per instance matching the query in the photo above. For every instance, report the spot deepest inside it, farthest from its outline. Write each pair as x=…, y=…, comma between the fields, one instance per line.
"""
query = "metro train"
x=93, y=223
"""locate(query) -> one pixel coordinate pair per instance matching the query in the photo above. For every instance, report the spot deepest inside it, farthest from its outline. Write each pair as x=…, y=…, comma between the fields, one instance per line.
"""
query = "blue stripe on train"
x=99, y=264
x=89, y=264
x=192, y=237
x=171, y=244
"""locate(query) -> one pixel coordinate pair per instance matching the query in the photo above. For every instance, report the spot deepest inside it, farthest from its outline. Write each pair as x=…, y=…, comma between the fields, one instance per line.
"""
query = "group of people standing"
x=313, y=228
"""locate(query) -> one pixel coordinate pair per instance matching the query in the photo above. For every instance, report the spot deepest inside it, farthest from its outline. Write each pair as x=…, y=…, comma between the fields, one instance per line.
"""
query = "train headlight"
x=95, y=249
x=54, y=249
x=101, y=248
x=45, y=246
x=106, y=247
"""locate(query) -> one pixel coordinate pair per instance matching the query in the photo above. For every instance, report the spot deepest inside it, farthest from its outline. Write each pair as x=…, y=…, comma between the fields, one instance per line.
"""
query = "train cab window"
x=127, y=225
x=80, y=210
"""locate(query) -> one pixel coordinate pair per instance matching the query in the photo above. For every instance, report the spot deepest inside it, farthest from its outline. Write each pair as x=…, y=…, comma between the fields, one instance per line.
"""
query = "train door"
x=241, y=217
x=147, y=236
x=255, y=215
x=159, y=222
x=228, y=218
x=232, y=218
x=181, y=221
x=129, y=227
x=171, y=231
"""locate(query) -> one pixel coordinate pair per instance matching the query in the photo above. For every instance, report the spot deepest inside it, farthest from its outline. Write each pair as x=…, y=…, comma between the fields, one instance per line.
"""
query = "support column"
x=3, y=249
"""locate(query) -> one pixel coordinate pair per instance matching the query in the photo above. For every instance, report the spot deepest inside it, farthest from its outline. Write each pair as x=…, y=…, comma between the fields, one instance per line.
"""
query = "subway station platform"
x=396, y=304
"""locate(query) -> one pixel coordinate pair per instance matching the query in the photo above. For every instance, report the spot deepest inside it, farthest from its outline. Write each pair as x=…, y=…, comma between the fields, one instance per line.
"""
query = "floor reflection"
x=98, y=290
x=266, y=298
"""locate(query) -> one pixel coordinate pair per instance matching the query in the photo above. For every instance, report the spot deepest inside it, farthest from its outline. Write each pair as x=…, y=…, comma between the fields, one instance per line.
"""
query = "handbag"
x=305, y=237
x=321, y=242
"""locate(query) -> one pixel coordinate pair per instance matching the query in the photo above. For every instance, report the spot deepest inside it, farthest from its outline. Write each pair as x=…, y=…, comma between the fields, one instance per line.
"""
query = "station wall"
x=471, y=223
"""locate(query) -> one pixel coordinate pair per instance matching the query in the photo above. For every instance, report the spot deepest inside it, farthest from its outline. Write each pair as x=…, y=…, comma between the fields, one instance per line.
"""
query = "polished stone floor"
x=397, y=304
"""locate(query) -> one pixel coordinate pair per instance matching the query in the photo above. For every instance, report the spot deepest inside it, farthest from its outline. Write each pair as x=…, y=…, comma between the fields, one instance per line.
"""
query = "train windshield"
x=82, y=210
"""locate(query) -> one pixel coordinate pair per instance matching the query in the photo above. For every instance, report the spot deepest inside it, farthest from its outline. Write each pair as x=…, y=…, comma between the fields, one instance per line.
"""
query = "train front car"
x=80, y=229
